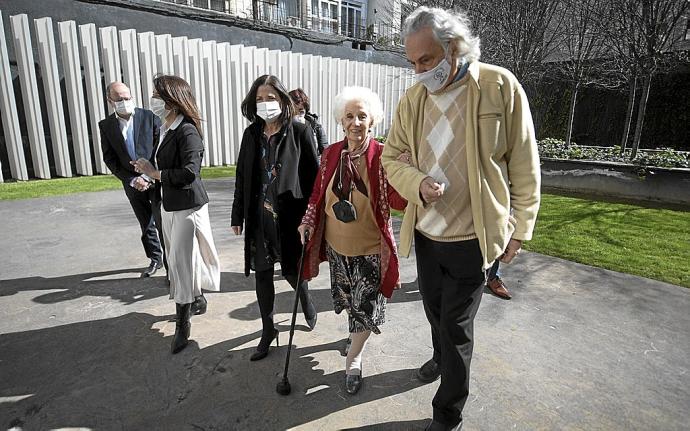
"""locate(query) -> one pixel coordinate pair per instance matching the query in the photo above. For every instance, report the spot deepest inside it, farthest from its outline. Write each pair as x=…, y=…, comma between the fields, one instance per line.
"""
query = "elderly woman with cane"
x=348, y=223
x=275, y=173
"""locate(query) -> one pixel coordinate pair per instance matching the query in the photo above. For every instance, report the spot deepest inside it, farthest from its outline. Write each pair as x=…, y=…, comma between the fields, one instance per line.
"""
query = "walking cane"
x=283, y=387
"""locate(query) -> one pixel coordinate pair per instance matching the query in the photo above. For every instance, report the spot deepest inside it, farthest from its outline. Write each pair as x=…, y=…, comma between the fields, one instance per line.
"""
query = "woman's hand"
x=405, y=158
x=237, y=230
x=305, y=232
x=143, y=166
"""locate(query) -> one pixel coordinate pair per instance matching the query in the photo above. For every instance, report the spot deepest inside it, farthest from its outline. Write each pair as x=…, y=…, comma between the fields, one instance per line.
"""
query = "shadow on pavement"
x=123, y=285
x=118, y=373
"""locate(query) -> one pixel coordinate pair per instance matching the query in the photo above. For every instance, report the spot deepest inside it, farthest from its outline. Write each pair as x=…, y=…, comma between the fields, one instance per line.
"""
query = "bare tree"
x=643, y=33
x=527, y=33
x=582, y=48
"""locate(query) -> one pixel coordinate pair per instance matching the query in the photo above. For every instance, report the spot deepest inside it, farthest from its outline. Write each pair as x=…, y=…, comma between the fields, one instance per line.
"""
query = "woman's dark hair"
x=177, y=94
x=300, y=97
x=286, y=105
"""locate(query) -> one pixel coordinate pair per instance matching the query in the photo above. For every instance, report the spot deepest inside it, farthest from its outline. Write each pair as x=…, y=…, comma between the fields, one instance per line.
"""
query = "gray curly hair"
x=447, y=26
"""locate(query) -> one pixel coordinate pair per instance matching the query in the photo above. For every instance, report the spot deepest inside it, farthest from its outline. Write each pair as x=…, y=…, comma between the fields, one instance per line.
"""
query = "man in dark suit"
x=128, y=134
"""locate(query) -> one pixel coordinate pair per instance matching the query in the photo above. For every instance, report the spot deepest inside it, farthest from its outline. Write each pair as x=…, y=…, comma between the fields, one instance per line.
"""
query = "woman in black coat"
x=276, y=169
x=193, y=263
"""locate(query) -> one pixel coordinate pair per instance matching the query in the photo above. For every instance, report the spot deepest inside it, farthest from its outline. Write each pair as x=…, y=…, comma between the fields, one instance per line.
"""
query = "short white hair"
x=447, y=27
x=370, y=100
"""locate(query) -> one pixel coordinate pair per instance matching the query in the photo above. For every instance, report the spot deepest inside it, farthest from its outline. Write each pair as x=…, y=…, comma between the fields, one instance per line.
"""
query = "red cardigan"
x=382, y=197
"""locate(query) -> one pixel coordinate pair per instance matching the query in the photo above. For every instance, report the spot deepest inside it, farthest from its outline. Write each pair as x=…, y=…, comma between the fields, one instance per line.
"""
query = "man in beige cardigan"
x=467, y=130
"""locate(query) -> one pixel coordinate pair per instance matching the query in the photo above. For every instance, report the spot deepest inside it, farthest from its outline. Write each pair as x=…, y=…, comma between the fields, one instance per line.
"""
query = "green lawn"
x=64, y=186
x=652, y=243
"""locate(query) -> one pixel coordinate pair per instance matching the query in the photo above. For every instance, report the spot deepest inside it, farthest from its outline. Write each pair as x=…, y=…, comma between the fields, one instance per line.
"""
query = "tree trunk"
x=571, y=113
x=640, y=115
x=629, y=114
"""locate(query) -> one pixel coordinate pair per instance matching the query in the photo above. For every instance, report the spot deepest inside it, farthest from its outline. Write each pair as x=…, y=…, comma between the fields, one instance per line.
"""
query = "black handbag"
x=345, y=211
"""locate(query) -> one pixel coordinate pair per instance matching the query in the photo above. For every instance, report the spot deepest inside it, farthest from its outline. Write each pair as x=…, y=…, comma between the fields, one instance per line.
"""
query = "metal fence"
x=88, y=58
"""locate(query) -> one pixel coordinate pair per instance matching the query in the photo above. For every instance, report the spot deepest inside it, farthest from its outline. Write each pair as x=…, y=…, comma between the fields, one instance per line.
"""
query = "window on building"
x=324, y=16
x=351, y=23
x=687, y=29
x=218, y=5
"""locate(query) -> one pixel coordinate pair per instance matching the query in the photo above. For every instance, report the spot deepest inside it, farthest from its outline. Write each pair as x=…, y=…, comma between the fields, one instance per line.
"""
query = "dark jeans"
x=149, y=216
x=450, y=282
x=266, y=293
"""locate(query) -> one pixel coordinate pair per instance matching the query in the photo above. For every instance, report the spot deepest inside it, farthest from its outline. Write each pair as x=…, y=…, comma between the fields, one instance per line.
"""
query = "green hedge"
x=663, y=158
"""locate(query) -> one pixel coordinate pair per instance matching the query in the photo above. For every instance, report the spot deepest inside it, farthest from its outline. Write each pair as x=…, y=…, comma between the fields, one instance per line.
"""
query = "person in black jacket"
x=193, y=263
x=275, y=173
x=127, y=134
x=304, y=115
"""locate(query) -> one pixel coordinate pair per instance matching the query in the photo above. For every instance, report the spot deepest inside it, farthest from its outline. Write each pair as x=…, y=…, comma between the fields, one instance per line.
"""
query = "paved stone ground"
x=85, y=343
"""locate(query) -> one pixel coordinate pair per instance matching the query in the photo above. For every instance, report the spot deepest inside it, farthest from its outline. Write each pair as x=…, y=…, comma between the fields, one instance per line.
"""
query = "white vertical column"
x=196, y=80
x=10, y=119
x=180, y=57
x=305, y=79
x=147, y=65
x=260, y=62
x=210, y=73
x=239, y=90
x=71, y=64
x=110, y=53
x=164, y=54
x=130, y=63
x=94, y=90
x=47, y=59
x=296, y=70
x=32, y=106
x=225, y=102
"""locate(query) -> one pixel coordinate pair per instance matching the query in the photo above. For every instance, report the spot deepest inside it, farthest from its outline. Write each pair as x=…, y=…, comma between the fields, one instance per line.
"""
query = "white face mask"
x=435, y=78
x=158, y=108
x=268, y=111
x=125, y=107
x=301, y=118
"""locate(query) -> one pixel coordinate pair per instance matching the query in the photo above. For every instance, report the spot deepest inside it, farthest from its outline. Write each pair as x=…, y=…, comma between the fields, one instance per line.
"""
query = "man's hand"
x=513, y=249
x=237, y=230
x=305, y=232
x=141, y=184
x=430, y=190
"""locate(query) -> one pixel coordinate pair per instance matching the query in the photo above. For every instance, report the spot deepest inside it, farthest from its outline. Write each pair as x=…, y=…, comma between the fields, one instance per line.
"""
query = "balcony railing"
x=287, y=14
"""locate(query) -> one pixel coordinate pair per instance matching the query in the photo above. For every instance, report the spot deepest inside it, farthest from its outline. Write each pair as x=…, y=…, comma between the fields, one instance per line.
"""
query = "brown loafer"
x=498, y=288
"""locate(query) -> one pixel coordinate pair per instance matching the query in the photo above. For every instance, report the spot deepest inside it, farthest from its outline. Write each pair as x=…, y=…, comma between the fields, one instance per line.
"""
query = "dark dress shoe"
x=182, y=327
x=199, y=305
x=353, y=382
x=153, y=267
x=438, y=426
x=498, y=288
x=264, y=345
x=429, y=372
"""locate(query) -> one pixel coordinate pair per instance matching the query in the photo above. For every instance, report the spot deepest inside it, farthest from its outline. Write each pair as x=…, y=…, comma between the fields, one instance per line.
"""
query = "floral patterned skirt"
x=355, y=282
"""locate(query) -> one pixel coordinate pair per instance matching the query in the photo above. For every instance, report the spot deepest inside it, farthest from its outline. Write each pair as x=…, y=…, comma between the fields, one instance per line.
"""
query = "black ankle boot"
x=199, y=305
x=182, y=327
x=267, y=335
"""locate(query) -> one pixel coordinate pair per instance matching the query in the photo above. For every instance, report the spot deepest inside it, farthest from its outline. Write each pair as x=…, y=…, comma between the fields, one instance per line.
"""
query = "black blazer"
x=296, y=158
x=115, y=156
x=179, y=158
